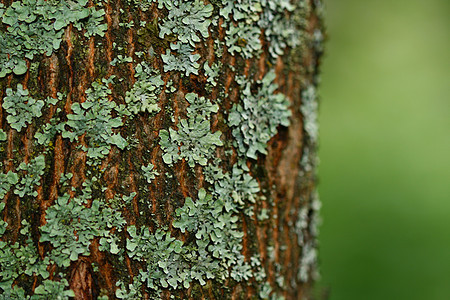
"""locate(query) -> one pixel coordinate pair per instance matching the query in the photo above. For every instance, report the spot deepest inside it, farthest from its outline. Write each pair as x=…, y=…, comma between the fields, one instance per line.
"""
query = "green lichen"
x=120, y=59
x=237, y=188
x=132, y=291
x=213, y=171
x=204, y=217
x=3, y=224
x=36, y=27
x=246, y=11
x=50, y=289
x=93, y=119
x=183, y=60
x=7, y=181
x=193, y=141
x=18, y=260
x=280, y=30
x=3, y=135
x=306, y=225
x=212, y=72
x=33, y=172
x=256, y=120
x=243, y=39
x=309, y=110
x=71, y=227
x=163, y=256
x=149, y=172
x=200, y=106
x=145, y=92
x=186, y=20
x=21, y=108
x=216, y=232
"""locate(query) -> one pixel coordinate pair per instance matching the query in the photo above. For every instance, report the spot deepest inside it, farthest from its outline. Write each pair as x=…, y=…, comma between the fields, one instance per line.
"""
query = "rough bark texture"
x=188, y=170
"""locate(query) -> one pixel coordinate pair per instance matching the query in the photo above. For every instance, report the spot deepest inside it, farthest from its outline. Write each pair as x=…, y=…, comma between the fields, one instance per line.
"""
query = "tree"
x=158, y=149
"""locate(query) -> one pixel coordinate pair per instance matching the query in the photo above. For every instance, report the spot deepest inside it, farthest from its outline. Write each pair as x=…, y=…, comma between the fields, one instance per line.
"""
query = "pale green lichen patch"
x=242, y=36
x=162, y=254
x=71, y=227
x=93, y=119
x=144, y=94
x=214, y=228
x=18, y=259
x=200, y=106
x=207, y=219
x=307, y=222
x=3, y=135
x=21, y=108
x=186, y=20
x=33, y=172
x=255, y=121
x=280, y=30
x=309, y=110
x=213, y=172
x=50, y=289
x=6, y=182
x=36, y=27
x=3, y=224
x=212, y=72
x=243, y=39
x=193, y=141
x=149, y=172
x=237, y=188
x=184, y=60
x=308, y=261
x=131, y=291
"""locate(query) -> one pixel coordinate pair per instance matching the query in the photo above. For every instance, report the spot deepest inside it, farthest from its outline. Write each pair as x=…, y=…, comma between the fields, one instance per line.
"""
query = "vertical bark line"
x=9, y=167
x=108, y=38
x=68, y=61
x=58, y=156
x=81, y=281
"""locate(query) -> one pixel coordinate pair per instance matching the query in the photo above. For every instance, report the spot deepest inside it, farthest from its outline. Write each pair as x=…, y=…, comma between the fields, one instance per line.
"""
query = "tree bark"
x=158, y=150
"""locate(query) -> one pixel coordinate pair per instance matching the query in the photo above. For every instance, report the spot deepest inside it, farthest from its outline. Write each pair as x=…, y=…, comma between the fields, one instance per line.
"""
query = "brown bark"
x=286, y=187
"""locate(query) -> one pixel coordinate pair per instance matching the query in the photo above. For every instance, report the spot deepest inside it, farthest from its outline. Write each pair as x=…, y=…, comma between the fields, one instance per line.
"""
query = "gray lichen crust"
x=256, y=120
x=63, y=150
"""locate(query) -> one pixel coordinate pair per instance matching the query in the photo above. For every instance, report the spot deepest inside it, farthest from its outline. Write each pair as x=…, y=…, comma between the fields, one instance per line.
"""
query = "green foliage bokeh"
x=385, y=144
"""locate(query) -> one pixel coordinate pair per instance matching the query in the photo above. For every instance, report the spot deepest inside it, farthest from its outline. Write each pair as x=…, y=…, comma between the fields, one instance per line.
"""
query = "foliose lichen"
x=309, y=110
x=143, y=96
x=7, y=181
x=256, y=120
x=93, y=119
x=33, y=172
x=21, y=108
x=36, y=27
x=69, y=215
x=193, y=141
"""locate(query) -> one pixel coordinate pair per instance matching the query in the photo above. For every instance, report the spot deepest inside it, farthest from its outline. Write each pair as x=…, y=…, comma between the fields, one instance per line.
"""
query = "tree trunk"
x=158, y=149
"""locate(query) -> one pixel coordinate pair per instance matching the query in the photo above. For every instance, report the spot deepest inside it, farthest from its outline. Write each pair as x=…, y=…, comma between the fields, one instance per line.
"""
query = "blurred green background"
x=385, y=150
